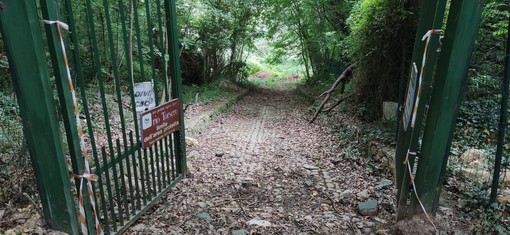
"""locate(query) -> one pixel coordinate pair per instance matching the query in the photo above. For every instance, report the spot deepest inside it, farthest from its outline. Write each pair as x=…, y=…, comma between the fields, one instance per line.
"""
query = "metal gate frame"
x=155, y=170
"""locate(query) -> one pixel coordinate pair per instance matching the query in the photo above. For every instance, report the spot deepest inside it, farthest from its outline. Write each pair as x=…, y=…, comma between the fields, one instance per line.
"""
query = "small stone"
x=368, y=208
x=363, y=194
x=330, y=185
x=389, y=110
x=204, y=216
x=345, y=202
x=219, y=154
x=336, y=161
x=379, y=220
x=308, y=217
x=265, y=215
x=258, y=222
x=383, y=185
x=388, y=207
x=190, y=141
x=202, y=204
x=503, y=198
x=472, y=155
x=359, y=225
x=240, y=232
x=347, y=194
x=310, y=167
x=308, y=183
x=247, y=182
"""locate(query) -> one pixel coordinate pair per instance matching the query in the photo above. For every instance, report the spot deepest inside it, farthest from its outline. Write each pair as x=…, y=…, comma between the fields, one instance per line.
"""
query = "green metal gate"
x=109, y=46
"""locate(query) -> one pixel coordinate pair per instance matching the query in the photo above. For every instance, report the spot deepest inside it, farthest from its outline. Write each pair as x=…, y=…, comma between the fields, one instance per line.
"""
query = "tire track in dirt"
x=257, y=131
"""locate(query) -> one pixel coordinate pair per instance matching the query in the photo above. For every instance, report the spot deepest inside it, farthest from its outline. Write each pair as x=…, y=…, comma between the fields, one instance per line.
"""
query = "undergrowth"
x=206, y=93
x=477, y=128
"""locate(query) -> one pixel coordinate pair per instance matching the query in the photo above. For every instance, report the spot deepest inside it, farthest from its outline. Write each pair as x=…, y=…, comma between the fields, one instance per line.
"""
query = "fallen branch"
x=338, y=102
x=344, y=78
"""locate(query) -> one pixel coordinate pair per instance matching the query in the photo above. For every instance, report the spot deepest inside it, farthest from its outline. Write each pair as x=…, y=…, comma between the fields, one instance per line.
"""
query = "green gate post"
x=449, y=84
x=21, y=31
x=175, y=74
x=431, y=17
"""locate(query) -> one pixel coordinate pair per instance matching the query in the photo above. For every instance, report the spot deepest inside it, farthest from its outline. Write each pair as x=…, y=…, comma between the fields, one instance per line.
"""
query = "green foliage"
x=489, y=52
x=206, y=93
x=493, y=222
x=252, y=68
x=380, y=30
x=217, y=34
x=13, y=153
x=311, y=30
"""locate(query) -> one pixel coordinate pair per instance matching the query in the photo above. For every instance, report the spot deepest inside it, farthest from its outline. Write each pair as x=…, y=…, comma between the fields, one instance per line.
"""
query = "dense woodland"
x=315, y=40
x=222, y=39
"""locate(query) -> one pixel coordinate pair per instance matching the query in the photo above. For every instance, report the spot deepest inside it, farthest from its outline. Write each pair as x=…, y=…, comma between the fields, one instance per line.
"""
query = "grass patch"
x=206, y=93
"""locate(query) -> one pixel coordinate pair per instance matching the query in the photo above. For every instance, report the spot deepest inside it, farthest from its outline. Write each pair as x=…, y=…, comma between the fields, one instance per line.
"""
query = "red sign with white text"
x=159, y=122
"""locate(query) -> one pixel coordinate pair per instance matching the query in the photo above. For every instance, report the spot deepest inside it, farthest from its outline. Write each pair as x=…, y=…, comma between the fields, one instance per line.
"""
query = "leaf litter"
x=262, y=169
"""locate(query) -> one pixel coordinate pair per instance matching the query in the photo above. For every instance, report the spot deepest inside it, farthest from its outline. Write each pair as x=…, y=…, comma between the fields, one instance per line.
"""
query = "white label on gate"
x=410, y=98
x=144, y=96
x=146, y=121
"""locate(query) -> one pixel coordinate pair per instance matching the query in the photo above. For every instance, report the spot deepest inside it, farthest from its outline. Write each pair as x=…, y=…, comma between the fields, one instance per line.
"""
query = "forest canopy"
x=311, y=39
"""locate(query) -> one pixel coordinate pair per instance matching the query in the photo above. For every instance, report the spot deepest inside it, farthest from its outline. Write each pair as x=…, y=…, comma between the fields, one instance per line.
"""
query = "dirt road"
x=262, y=169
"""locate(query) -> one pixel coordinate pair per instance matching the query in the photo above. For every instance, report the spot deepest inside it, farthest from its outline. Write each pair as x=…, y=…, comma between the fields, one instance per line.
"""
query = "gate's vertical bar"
x=49, y=12
x=151, y=49
x=100, y=182
x=109, y=188
x=449, y=84
x=502, y=122
x=431, y=17
x=175, y=74
x=143, y=178
x=158, y=162
x=130, y=85
x=135, y=172
x=113, y=57
x=116, y=183
x=123, y=188
x=138, y=45
x=172, y=156
x=163, y=51
x=164, y=163
x=81, y=83
x=31, y=81
x=153, y=174
x=147, y=177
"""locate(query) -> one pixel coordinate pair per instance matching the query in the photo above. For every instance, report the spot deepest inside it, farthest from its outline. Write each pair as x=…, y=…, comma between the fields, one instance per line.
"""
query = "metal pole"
x=502, y=122
x=431, y=17
x=21, y=31
x=449, y=84
x=175, y=74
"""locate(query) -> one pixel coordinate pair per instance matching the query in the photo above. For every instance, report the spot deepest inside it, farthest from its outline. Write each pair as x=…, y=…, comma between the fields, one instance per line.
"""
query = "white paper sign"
x=410, y=98
x=144, y=96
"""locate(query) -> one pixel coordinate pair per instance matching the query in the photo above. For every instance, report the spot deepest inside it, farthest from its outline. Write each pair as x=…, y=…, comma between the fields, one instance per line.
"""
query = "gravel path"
x=262, y=169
